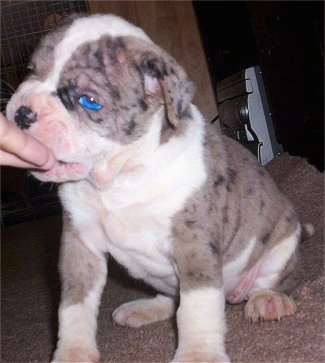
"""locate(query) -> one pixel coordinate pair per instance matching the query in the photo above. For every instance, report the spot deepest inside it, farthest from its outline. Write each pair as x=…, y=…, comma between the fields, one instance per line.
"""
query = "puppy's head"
x=96, y=83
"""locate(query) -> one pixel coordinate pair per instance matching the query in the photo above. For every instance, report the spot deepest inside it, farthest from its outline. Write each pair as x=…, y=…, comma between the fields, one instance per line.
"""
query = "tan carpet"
x=30, y=294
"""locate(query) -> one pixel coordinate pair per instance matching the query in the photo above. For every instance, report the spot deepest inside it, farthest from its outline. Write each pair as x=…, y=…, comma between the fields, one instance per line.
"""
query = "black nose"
x=24, y=117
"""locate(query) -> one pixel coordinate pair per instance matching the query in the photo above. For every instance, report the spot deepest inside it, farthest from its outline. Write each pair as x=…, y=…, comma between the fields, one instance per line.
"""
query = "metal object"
x=244, y=113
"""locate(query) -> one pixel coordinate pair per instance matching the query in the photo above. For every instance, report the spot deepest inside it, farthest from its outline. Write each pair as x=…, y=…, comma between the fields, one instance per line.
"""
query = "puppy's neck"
x=128, y=159
x=148, y=154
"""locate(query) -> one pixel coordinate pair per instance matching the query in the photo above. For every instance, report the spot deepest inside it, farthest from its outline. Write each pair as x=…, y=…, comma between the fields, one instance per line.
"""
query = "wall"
x=172, y=25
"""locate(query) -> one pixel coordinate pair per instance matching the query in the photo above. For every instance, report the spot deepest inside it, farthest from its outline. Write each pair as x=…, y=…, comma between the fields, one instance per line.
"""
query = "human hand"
x=21, y=150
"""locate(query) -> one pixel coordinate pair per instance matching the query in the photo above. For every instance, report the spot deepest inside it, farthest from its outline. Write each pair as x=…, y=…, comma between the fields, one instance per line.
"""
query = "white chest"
x=137, y=237
x=142, y=243
x=132, y=224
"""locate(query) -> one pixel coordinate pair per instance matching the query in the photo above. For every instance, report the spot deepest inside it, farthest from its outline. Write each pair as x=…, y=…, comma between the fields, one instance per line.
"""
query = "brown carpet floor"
x=30, y=294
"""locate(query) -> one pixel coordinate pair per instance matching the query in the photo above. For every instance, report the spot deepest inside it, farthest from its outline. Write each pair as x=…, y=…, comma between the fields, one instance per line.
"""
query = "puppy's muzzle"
x=24, y=117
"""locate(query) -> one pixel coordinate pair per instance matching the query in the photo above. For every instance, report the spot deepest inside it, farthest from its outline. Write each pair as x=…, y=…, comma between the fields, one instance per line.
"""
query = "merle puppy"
x=145, y=179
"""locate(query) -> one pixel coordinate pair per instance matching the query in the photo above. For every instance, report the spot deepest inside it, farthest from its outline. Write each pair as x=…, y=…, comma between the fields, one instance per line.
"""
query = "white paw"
x=133, y=314
x=75, y=353
x=145, y=311
x=269, y=305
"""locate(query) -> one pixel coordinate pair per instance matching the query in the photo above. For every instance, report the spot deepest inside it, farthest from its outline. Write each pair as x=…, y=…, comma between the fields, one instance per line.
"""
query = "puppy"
x=145, y=179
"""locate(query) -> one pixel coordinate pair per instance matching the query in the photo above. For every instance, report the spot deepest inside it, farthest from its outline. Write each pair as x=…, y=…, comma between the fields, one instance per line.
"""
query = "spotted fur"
x=144, y=178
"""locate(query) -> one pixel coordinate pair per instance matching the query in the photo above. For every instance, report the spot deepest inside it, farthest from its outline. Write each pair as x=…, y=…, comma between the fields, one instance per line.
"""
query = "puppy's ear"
x=166, y=80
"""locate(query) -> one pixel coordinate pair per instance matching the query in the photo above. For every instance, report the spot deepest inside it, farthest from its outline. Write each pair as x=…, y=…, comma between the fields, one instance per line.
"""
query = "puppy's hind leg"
x=266, y=301
x=83, y=275
x=144, y=311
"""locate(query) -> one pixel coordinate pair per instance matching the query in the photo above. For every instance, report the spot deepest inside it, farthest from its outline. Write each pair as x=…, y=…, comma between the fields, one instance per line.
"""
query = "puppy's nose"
x=24, y=117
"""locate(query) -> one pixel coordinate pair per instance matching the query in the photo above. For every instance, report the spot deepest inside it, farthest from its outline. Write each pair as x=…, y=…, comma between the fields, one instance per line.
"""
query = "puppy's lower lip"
x=67, y=164
x=59, y=163
x=63, y=163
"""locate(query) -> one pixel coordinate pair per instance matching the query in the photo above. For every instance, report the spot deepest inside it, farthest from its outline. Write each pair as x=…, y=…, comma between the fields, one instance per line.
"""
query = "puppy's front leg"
x=83, y=275
x=200, y=317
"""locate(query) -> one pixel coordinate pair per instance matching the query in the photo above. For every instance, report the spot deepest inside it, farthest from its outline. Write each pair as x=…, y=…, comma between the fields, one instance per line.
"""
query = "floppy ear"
x=165, y=79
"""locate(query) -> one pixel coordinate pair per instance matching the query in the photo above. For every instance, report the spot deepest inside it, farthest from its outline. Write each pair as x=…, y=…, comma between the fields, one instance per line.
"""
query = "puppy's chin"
x=63, y=172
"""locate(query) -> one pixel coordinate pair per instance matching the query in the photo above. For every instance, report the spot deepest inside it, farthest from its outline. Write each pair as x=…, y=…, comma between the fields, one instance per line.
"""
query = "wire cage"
x=22, y=25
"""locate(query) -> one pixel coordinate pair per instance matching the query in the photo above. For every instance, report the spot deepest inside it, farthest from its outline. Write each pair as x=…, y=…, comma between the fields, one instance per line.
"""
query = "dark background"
x=286, y=39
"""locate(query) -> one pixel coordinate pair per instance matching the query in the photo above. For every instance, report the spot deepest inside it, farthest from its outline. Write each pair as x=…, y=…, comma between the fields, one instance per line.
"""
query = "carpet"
x=30, y=294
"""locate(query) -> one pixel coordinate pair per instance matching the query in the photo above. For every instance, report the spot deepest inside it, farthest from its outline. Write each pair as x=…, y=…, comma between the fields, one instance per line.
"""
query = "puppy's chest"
x=137, y=236
x=141, y=241
x=132, y=219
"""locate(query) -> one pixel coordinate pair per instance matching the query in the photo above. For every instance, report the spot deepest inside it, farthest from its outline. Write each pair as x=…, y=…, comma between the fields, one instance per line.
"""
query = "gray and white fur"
x=146, y=179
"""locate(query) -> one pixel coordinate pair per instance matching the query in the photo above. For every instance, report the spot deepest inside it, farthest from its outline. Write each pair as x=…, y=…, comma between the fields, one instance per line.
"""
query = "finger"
x=36, y=153
x=23, y=146
x=7, y=159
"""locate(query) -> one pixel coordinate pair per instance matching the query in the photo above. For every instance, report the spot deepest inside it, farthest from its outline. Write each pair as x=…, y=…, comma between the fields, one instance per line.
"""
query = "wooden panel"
x=172, y=25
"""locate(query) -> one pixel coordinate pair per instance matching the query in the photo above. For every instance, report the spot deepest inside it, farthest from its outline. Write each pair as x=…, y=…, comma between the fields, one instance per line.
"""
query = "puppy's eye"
x=89, y=103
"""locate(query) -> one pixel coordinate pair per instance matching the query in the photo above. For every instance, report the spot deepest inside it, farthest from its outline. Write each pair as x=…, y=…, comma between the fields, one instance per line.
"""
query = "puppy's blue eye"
x=89, y=103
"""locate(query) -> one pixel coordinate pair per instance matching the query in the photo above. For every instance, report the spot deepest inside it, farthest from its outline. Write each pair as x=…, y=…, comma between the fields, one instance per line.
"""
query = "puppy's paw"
x=145, y=311
x=269, y=305
x=197, y=355
x=74, y=353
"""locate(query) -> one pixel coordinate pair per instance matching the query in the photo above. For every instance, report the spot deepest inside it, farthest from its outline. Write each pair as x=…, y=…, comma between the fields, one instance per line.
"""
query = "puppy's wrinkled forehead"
x=63, y=42
x=108, y=75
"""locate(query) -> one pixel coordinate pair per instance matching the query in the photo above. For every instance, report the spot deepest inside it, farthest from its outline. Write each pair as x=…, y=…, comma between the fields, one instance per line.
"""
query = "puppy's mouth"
x=62, y=163
x=63, y=171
